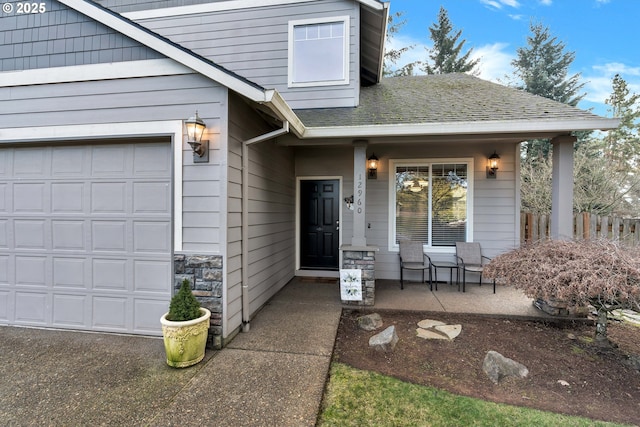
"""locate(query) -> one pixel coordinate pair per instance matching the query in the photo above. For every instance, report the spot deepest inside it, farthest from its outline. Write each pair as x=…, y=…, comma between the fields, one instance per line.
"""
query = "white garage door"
x=85, y=236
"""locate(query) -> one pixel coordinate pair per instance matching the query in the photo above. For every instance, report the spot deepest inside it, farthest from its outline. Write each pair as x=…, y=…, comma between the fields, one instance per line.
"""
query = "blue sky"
x=602, y=33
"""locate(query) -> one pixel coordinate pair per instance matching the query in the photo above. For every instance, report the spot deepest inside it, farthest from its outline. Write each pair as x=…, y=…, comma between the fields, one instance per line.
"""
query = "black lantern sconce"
x=372, y=165
x=493, y=164
x=195, y=129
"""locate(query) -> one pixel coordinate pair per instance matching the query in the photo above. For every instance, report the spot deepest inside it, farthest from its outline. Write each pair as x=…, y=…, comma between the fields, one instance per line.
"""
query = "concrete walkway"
x=273, y=375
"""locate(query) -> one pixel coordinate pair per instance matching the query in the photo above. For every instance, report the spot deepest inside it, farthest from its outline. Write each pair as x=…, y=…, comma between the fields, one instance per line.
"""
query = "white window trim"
x=469, y=161
x=346, y=22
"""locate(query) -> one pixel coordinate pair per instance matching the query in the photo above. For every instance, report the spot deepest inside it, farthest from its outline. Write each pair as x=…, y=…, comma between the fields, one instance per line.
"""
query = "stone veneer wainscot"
x=205, y=274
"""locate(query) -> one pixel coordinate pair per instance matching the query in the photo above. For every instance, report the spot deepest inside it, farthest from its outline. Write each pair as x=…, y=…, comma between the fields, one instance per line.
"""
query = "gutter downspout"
x=246, y=315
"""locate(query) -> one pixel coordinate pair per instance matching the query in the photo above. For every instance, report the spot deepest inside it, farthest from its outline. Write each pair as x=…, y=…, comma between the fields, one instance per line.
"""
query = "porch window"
x=319, y=52
x=431, y=202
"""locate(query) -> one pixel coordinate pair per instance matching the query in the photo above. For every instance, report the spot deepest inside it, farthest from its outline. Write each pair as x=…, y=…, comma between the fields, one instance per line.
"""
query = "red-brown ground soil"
x=602, y=383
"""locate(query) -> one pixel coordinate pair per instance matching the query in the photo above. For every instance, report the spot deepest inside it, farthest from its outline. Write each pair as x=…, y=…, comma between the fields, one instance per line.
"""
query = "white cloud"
x=495, y=61
x=546, y=2
x=499, y=4
x=598, y=80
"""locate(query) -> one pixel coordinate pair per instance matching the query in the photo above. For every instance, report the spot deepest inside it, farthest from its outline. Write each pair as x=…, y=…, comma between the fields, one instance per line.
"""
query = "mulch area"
x=603, y=384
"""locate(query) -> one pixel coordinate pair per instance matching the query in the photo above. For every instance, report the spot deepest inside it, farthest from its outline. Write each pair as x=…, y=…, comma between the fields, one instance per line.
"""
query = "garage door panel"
x=151, y=198
x=29, y=234
x=29, y=197
x=5, y=298
x=151, y=237
x=4, y=233
x=109, y=236
x=31, y=271
x=70, y=310
x=68, y=235
x=67, y=198
x=110, y=313
x=149, y=276
x=109, y=197
x=147, y=314
x=69, y=161
x=152, y=160
x=4, y=270
x=31, y=308
x=70, y=272
x=30, y=162
x=4, y=194
x=110, y=160
x=110, y=274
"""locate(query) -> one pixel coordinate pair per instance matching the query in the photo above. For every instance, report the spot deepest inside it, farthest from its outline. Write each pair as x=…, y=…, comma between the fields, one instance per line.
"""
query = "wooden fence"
x=585, y=226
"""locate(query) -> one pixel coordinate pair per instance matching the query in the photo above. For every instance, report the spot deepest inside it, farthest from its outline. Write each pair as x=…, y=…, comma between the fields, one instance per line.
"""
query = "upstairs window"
x=319, y=52
x=431, y=202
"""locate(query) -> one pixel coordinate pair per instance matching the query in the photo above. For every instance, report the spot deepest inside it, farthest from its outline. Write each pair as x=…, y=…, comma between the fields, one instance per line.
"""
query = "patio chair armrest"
x=459, y=260
x=485, y=258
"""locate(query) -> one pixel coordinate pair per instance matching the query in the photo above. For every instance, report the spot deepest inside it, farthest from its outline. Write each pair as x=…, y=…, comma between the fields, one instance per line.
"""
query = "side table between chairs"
x=444, y=264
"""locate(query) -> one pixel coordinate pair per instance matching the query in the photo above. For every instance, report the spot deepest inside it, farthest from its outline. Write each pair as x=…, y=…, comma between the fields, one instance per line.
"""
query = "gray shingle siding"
x=62, y=37
x=124, y=6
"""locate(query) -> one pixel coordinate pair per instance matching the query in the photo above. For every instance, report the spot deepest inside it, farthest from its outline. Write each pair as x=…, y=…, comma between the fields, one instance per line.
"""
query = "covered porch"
x=416, y=296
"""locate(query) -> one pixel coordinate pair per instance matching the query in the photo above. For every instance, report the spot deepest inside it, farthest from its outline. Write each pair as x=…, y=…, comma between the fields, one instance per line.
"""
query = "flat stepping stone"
x=436, y=330
x=431, y=334
x=428, y=323
x=451, y=331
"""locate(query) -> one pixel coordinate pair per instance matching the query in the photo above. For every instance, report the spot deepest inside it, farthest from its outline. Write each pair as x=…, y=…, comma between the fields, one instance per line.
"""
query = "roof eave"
x=463, y=128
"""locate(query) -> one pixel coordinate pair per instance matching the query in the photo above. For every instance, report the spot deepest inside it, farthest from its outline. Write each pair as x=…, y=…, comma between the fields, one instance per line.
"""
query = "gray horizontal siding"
x=254, y=43
x=62, y=37
x=494, y=201
x=271, y=210
x=123, y=6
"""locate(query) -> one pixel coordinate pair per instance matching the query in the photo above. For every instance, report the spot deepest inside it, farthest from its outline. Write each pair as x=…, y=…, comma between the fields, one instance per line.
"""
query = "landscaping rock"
x=497, y=367
x=385, y=341
x=370, y=322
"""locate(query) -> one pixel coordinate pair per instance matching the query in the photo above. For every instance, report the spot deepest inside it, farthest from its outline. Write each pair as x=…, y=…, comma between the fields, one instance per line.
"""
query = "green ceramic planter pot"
x=185, y=342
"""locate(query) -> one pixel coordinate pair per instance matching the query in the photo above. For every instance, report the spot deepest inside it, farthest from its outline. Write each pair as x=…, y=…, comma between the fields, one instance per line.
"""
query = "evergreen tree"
x=542, y=68
x=392, y=56
x=445, y=54
x=623, y=143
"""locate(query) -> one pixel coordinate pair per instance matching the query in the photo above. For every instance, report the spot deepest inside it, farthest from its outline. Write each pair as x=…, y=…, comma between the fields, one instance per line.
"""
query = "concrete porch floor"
x=416, y=296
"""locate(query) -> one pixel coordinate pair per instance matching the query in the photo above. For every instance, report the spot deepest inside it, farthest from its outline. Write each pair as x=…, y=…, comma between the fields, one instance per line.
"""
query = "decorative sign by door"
x=351, y=284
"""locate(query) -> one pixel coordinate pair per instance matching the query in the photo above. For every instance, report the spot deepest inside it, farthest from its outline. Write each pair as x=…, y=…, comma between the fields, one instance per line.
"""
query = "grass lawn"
x=363, y=398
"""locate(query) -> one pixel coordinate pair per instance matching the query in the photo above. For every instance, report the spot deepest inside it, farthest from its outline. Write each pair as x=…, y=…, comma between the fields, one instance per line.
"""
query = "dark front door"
x=320, y=224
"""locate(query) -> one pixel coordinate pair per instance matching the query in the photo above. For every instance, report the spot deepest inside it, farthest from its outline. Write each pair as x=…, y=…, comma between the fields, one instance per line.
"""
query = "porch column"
x=357, y=255
x=562, y=188
x=359, y=193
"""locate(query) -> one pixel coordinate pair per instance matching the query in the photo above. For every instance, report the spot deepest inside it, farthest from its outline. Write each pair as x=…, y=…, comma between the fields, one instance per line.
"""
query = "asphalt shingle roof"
x=442, y=98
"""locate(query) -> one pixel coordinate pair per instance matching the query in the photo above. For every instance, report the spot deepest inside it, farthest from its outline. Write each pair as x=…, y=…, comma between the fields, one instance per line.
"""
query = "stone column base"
x=362, y=258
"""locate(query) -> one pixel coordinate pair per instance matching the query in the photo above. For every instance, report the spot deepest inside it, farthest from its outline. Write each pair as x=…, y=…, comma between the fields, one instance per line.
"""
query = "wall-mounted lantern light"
x=372, y=165
x=493, y=164
x=195, y=129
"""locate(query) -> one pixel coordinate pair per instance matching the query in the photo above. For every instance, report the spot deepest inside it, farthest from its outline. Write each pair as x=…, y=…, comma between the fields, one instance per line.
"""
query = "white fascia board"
x=167, y=49
x=225, y=6
x=90, y=72
x=279, y=106
x=461, y=128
